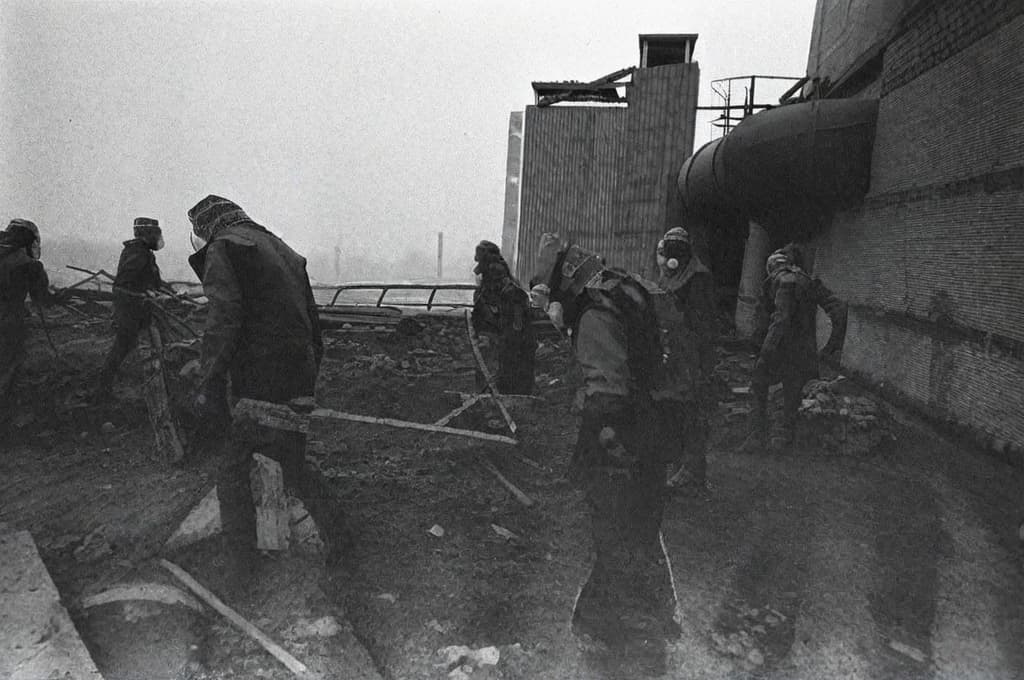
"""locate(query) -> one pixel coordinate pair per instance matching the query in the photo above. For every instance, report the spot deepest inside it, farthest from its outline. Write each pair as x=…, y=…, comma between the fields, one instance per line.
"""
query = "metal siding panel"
x=600, y=174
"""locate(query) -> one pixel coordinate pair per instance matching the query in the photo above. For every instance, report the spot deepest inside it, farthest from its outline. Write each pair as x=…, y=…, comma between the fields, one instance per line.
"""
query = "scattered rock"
x=108, y=427
x=387, y=597
x=505, y=533
x=324, y=627
x=436, y=530
x=463, y=656
x=908, y=651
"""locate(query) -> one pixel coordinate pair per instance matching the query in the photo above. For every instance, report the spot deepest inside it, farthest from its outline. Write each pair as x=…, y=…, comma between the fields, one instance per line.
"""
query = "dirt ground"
x=888, y=556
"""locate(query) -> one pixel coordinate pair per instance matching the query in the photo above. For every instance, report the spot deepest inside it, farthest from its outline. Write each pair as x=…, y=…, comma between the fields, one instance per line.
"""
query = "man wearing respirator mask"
x=789, y=353
x=137, y=276
x=617, y=459
x=686, y=313
x=21, y=275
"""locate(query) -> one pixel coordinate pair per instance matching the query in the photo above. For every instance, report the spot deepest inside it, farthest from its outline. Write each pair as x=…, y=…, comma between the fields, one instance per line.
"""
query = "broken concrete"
x=37, y=638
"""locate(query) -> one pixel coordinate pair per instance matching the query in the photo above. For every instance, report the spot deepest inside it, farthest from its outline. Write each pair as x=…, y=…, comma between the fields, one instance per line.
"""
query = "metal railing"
x=386, y=288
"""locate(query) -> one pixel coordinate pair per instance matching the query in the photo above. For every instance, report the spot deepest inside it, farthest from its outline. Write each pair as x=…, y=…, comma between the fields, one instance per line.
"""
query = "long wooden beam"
x=486, y=371
x=281, y=417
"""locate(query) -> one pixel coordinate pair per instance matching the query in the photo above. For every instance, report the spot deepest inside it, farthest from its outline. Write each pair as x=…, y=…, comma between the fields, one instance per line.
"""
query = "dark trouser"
x=629, y=591
x=238, y=518
x=516, y=363
x=13, y=333
x=687, y=430
x=128, y=326
x=793, y=379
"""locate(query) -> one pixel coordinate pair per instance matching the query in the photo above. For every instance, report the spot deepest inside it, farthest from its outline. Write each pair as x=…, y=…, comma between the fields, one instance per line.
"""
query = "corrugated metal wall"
x=604, y=176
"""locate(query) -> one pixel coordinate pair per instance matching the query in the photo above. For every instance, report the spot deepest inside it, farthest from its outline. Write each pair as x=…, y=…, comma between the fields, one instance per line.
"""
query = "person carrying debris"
x=501, y=306
x=788, y=353
x=686, y=312
x=620, y=453
x=137, y=276
x=262, y=331
x=21, y=275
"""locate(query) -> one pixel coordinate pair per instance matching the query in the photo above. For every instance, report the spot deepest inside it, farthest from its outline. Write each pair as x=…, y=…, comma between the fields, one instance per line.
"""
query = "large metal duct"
x=786, y=167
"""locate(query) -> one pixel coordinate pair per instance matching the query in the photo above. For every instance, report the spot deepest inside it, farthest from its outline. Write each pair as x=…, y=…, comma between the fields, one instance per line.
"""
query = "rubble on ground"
x=843, y=422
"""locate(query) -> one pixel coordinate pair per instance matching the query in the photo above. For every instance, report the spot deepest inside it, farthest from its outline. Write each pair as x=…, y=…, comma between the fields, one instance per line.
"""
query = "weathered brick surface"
x=940, y=30
x=959, y=258
x=962, y=382
x=933, y=261
x=960, y=119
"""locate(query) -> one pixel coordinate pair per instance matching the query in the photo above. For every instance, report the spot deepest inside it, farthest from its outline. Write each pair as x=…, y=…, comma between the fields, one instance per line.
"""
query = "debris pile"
x=842, y=422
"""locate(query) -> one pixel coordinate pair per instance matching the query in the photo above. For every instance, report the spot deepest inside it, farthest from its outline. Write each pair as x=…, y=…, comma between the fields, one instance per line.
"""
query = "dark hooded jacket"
x=21, y=275
x=262, y=326
x=791, y=298
x=686, y=311
x=617, y=345
x=137, y=272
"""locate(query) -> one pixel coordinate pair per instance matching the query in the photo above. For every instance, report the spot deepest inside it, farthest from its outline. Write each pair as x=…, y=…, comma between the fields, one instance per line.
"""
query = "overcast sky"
x=370, y=125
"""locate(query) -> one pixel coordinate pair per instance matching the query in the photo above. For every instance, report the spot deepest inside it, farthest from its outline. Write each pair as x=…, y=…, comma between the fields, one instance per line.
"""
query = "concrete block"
x=37, y=637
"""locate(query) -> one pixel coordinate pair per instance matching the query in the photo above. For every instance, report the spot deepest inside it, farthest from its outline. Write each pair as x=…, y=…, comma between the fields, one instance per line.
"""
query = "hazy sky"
x=371, y=125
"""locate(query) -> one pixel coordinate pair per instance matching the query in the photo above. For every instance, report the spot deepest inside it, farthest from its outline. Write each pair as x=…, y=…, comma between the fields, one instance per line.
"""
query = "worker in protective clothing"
x=620, y=453
x=788, y=353
x=21, y=275
x=686, y=312
x=501, y=306
x=137, y=277
x=262, y=331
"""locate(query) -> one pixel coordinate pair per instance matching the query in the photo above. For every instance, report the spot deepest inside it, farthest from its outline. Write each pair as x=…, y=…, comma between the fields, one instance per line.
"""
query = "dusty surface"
x=830, y=561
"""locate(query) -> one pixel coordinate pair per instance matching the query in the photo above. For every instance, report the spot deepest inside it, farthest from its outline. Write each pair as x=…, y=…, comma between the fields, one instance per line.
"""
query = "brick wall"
x=940, y=29
x=933, y=260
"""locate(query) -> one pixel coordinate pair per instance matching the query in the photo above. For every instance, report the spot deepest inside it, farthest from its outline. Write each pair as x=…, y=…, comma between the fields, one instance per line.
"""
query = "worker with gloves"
x=501, y=307
x=22, y=275
x=788, y=353
x=685, y=306
x=263, y=331
x=620, y=453
x=137, y=276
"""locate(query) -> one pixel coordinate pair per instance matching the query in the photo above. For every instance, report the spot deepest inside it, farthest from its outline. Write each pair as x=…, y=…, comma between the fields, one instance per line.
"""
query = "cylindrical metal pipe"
x=754, y=255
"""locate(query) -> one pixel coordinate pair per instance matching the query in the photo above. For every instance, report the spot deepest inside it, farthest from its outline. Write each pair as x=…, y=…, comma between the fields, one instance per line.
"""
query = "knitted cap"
x=146, y=227
x=17, y=224
x=486, y=251
x=212, y=214
x=676, y=234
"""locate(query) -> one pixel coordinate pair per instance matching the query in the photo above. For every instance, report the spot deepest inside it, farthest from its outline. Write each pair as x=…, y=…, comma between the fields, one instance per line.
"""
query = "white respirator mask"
x=556, y=314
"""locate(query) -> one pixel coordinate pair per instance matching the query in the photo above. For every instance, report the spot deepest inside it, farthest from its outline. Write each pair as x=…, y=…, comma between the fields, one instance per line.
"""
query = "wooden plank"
x=278, y=652
x=267, y=482
x=281, y=417
x=267, y=414
x=37, y=637
x=513, y=489
x=154, y=389
x=467, y=403
x=392, y=422
x=487, y=373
